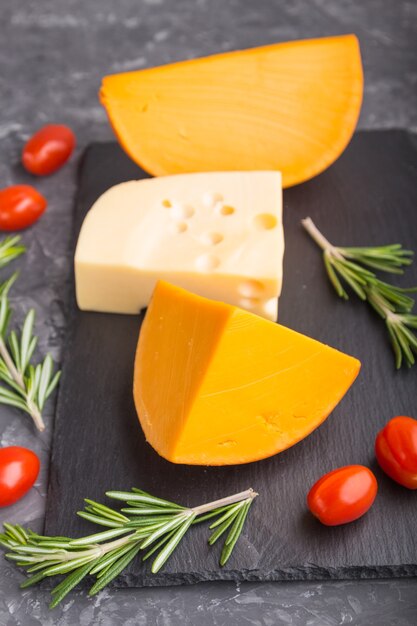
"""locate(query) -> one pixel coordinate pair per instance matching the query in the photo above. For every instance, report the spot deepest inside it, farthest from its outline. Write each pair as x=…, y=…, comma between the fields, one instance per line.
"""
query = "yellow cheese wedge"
x=216, y=385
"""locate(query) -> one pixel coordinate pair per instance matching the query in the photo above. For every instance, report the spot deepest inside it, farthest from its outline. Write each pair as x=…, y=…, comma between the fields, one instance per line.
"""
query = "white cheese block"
x=219, y=235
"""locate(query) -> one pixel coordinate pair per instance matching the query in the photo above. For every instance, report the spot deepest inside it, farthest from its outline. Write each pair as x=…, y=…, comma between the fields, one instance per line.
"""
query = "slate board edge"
x=309, y=572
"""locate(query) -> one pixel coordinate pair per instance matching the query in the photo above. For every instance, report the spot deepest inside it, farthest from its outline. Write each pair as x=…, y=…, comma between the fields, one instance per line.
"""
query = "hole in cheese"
x=227, y=210
x=207, y=262
x=251, y=289
x=265, y=221
x=211, y=239
x=211, y=199
x=270, y=309
x=249, y=303
x=182, y=211
x=179, y=227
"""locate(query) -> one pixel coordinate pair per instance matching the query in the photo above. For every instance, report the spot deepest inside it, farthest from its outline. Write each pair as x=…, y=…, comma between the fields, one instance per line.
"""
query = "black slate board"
x=369, y=196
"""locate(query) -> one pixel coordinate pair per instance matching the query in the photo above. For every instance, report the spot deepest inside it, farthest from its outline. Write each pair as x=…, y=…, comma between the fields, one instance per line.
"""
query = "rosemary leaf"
x=141, y=497
x=32, y=580
x=148, y=522
x=4, y=315
x=408, y=335
x=404, y=344
x=234, y=535
x=43, y=565
x=389, y=258
x=115, y=570
x=31, y=550
x=44, y=379
x=18, y=557
x=179, y=519
x=226, y=515
x=395, y=345
x=149, y=511
x=166, y=552
x=71, y=581
x=108, y=559
x=395, y=295
x=360, y=273
x=10, y=250
x=68, y=566
x=99, y=537
x=6, y=377
x=238, y=525
x=144, y=530
x=14, y=347
x=56, y=545
x=206, y=516
x=35, y=537
x=12, y=400
x=26, y=339
x=159, y=544
x=341, y=292
x=222, y=528
x=16, y=532
x=101, y=521
x=354, y=281
x=106, y=511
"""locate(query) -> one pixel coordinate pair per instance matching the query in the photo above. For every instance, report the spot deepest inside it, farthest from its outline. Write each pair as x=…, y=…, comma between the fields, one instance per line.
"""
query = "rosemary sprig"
x=27, y=387
x=149, y=524
x=393, y=304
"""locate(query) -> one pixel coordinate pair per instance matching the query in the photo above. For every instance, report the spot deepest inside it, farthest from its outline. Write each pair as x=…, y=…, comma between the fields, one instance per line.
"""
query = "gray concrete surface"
x=53, y=54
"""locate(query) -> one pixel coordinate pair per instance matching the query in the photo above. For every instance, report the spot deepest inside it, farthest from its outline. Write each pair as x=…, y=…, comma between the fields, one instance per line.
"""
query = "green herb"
x=10, y=250
x=392, y=303
x=25, y=386
x=147, y=524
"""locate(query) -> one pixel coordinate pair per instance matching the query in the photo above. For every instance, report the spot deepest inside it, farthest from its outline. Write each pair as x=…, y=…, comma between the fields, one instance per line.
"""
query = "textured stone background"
x=52, y=56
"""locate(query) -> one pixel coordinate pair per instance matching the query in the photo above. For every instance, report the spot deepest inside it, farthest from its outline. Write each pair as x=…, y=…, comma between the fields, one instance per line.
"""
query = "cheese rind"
x=217, y=385
x=217, y=234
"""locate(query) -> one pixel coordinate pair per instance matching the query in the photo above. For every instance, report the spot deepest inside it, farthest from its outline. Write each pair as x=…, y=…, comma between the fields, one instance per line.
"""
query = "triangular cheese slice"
x=216, y=385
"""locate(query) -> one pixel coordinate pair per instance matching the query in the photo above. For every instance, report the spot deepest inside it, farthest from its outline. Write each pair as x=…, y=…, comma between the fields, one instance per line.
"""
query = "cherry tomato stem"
x=48, y=149
x=343, y=495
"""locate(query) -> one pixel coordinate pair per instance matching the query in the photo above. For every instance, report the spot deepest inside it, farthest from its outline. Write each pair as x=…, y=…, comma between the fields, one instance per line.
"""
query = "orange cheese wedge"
x=290, y=106
x=216, y=385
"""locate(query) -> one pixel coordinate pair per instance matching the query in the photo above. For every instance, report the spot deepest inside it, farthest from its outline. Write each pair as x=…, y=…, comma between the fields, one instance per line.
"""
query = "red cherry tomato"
x=343, y=495
x=396, y=450
x=20, y=207
x=19, y=468
x=48, y=149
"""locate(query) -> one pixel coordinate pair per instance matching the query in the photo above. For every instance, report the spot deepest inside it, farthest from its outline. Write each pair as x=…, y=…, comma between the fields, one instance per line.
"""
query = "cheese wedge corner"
x=217, y=385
